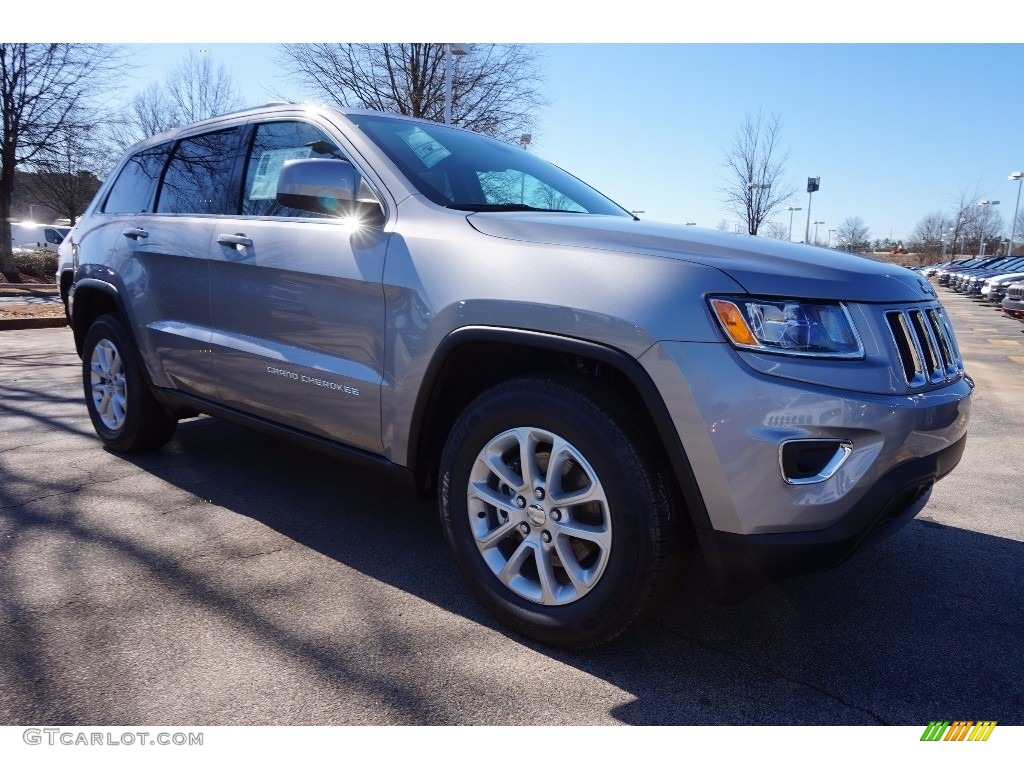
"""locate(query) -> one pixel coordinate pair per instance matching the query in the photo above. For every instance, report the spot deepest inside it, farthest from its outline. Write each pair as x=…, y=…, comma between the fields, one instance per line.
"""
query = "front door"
x=297, y=302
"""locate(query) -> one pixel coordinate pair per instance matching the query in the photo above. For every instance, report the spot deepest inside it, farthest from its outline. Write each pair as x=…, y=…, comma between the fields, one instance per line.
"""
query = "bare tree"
x=63, y=176
x=755, y=188
x=41, y=86
x=194, y=90
x=496, y=89
x=853, y=233
x=987, y=225
x=926, y=239
x=964, y=219
x=776, y=230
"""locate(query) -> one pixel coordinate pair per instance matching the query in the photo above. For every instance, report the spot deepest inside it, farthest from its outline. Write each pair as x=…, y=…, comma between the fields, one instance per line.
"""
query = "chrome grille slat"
x=925, y=344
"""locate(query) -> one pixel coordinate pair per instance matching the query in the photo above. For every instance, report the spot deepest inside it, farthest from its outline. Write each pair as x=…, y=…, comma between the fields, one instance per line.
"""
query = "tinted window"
x=198, y=178
x=133, y=190
x=53, y=236
x=273, y=145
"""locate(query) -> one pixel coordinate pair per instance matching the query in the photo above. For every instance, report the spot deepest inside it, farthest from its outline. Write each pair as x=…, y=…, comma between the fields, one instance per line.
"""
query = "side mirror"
x=332, y=187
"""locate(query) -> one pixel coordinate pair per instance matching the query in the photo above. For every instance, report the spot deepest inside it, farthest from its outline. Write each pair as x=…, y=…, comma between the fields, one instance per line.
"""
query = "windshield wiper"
x=502, y=207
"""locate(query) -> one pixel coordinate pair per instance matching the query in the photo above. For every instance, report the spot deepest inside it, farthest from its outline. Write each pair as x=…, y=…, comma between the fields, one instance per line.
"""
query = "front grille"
x=926, y=345
x=1015, y=290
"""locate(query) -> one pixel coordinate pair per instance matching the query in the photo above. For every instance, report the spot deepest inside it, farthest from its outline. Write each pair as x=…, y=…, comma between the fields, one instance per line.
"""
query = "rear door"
x=297, y=301
x=171, y=252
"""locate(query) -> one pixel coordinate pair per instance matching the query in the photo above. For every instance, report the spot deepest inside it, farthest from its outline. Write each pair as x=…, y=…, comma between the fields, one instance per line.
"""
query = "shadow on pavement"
x=925, y=626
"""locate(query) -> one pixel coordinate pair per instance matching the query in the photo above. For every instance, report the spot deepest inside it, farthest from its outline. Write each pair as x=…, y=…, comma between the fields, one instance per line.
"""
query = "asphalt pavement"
x=231, y=578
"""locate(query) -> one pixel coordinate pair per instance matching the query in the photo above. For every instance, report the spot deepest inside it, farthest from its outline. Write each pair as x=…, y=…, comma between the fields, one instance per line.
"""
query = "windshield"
x=469, y=172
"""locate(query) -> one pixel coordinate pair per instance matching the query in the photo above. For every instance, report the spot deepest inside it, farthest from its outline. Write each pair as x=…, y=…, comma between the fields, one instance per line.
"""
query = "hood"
x=761, y=266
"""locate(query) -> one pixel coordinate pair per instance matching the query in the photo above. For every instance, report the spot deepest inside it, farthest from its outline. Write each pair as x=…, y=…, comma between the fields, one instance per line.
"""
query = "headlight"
x=788, y=326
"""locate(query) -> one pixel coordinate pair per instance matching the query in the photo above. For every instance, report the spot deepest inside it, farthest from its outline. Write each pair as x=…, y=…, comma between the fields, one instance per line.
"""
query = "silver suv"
x=593, y=397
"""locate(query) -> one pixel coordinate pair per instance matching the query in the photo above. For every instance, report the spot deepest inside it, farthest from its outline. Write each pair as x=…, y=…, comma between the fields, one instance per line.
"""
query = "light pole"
x=942, y=240
x=792, y=210
x=816, y=223
x=828, y=242
x=1015, y=176
x=981, y=247
x=524, y=142
x=813, y=185
x=450, y=49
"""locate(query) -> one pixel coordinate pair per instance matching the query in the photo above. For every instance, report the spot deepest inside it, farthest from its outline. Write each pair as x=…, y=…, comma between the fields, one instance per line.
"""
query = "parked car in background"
x=41, y=236
x=958, y=279
x=942, y=275
x=993, y=290
x=971, y=280
x=1013, y=302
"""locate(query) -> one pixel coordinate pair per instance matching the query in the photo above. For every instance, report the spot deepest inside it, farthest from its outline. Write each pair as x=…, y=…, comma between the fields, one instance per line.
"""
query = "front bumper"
x=733, y=422
x=1014, y=307
x=739, y=565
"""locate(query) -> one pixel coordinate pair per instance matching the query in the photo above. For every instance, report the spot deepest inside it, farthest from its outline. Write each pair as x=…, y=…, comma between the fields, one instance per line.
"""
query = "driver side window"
x=273, y=145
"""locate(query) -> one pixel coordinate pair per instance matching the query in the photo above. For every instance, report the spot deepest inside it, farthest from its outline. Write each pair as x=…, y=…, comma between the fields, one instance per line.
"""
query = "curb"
x=26, y=323
x=32, y=289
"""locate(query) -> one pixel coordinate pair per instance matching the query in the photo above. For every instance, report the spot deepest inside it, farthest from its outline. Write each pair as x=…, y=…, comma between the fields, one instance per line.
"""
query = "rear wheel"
x=555, y=511
x=122, y=408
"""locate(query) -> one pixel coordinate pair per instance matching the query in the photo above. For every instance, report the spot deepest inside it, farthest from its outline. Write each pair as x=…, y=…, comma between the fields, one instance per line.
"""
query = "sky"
x=896, y=114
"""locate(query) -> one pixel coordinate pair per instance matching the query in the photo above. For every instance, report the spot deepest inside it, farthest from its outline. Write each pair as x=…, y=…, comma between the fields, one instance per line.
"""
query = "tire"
x=124, y=412
x=577, y=548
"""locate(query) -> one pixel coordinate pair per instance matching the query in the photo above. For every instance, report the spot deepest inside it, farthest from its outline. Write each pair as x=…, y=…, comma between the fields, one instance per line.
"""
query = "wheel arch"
x=88, y=299
x=499, y=353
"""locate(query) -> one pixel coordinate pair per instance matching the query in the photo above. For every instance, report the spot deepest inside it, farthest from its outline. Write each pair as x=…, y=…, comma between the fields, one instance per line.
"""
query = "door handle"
x=135, y=233
x=238, y=239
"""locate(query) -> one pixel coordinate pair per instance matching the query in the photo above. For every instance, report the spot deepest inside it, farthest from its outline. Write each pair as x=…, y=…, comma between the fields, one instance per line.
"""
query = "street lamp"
x=981, y=248
x=791, y=210
x=524, y=142
x=813, y=185
x=450, y=49
x=1015, y=176
x=816, y=223
x=942, y=240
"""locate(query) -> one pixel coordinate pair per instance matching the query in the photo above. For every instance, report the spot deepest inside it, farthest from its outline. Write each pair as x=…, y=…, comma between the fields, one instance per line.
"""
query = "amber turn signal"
x=732, y=321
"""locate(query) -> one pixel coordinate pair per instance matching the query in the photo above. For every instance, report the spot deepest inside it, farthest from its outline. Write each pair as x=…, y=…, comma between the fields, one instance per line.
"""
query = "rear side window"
x=273, y=145
x=133, y=189
x=198, y=178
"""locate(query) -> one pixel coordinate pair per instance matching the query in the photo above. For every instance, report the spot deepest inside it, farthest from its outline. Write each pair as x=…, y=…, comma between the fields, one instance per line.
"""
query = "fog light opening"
x=804, y=462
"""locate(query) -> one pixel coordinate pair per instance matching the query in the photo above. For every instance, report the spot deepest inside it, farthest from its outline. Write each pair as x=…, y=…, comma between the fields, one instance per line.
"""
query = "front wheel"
x=122, y=408
x=555, y=510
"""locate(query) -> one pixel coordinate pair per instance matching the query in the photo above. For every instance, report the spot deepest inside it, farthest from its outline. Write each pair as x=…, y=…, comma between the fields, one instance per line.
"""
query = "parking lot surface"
x=231, y=578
